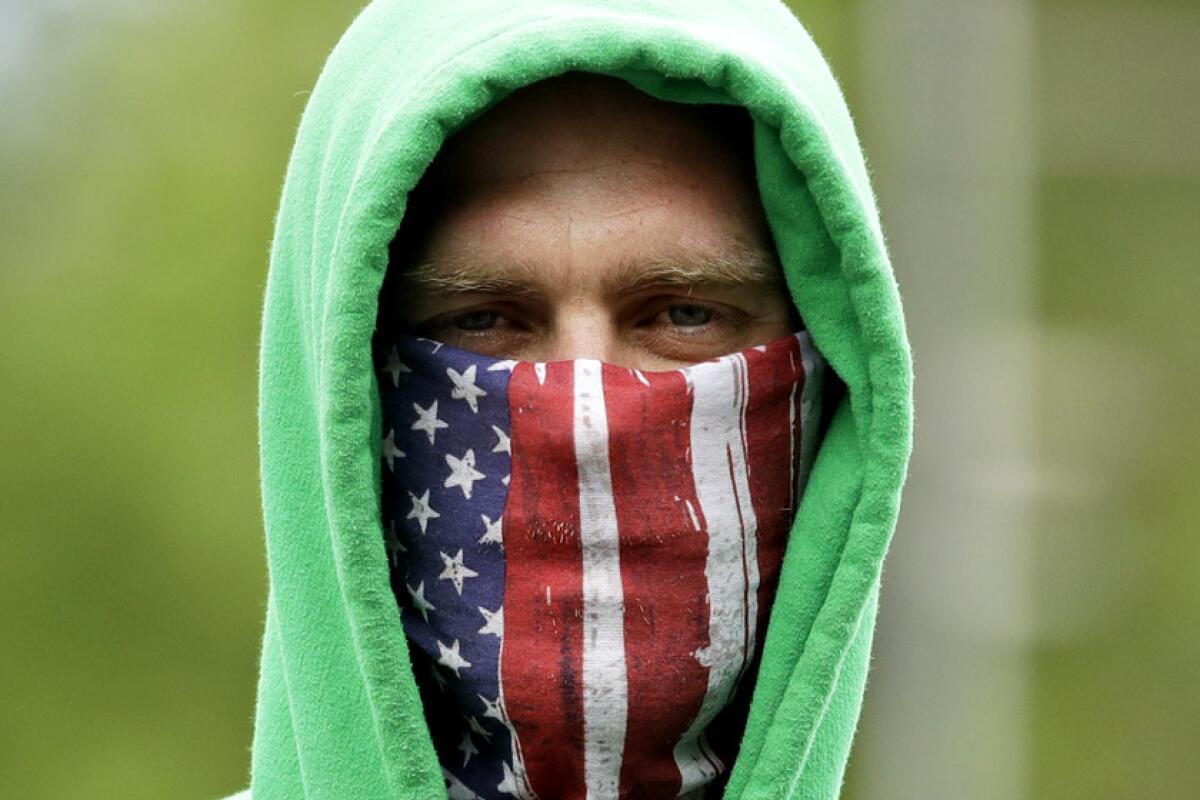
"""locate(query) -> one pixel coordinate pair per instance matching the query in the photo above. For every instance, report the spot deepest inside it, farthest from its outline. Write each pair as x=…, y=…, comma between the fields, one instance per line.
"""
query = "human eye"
x=687, y=317
x=466, y=322
x=474, y=320
x=686, y=329
x=690, y=315
x=496, y=330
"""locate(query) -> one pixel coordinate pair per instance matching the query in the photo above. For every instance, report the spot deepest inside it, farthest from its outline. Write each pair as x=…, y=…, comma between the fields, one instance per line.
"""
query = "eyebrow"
x=740, y=266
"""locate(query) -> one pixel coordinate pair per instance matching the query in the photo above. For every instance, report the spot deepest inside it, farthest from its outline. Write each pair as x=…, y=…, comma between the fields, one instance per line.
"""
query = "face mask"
x=585, y=556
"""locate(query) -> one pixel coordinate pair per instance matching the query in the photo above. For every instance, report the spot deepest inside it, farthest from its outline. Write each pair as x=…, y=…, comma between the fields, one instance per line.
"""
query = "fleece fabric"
x=338, y=712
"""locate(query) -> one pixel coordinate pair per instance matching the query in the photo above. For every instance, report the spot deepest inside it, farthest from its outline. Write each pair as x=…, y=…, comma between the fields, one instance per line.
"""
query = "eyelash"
x=453, y=319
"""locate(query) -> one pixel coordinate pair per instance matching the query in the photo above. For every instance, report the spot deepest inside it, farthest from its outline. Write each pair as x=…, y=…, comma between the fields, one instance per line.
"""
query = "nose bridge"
x=581, y=329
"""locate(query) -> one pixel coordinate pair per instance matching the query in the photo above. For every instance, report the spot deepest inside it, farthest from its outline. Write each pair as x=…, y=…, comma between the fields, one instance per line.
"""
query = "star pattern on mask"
x=421, y=511
x=395, y=366
x=467, y=746
x=509, y=784
x=427, y=420
x=463, y=473
x=493, y=622
x=418, y=600
x=478, y=729
x=464, y=386
x=503, y=443
x=491, y=531
x=438, y=678
x=456, y=571
x=390, y=451
x=456, y=789
x=394, y=546
x=491, y=708
x=436, y=344
x=450, y=657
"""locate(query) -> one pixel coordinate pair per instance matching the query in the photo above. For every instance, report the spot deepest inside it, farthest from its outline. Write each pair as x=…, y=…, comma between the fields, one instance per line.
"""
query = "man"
x=580, y=219
x=578, y=428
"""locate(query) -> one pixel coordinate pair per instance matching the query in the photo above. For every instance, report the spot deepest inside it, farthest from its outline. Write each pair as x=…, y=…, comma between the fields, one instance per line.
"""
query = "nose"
x=581, y=331
x=583, y=335
x=591, y=329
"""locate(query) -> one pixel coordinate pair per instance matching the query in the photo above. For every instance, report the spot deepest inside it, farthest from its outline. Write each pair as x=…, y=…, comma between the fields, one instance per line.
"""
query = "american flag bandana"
x=585, y=556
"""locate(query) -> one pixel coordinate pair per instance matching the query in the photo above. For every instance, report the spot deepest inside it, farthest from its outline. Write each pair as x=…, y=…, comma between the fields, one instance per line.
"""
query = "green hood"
x=338, y=710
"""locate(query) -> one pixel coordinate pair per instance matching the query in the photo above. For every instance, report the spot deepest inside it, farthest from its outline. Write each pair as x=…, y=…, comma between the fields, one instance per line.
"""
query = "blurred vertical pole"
x=947, y=115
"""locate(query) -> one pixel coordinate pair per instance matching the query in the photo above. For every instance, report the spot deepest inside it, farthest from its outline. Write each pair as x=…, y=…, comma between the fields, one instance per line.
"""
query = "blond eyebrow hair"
x=739, y=266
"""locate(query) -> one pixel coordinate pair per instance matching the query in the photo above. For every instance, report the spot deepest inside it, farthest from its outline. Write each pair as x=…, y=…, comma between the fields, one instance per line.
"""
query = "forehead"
x=577, y=120
x=585, y=173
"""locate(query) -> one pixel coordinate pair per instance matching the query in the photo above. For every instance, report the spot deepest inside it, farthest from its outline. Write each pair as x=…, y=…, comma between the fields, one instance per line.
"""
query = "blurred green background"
x=1038, y=166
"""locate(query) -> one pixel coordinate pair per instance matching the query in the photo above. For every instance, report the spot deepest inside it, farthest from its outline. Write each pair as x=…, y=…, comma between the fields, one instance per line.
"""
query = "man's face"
x=580, y=218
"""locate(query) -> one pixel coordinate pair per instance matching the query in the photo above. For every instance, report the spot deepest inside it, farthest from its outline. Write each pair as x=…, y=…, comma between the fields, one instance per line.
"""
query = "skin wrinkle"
x=639, y=208
x=581, y=218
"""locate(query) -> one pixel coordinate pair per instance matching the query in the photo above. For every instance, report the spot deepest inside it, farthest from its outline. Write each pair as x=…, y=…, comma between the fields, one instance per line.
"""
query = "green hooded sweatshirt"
x=338, y=713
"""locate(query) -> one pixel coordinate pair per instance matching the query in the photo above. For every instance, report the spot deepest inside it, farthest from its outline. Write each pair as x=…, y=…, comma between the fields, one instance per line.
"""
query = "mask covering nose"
x=585, y=556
